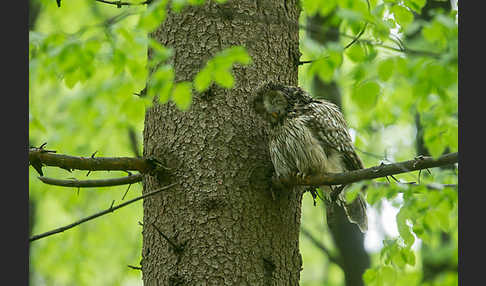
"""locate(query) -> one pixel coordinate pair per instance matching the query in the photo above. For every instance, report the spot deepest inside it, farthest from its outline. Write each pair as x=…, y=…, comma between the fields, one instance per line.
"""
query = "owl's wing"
x=328, y=125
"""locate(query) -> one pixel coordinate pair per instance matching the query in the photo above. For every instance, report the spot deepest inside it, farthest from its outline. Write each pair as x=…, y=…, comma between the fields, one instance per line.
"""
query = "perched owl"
x=309, y=136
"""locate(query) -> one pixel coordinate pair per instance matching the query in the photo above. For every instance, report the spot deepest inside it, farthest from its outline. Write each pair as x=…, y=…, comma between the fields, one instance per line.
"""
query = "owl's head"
x=271, y=102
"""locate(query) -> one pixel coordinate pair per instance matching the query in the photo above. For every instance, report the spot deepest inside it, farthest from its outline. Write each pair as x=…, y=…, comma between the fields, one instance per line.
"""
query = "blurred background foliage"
x=398, y=91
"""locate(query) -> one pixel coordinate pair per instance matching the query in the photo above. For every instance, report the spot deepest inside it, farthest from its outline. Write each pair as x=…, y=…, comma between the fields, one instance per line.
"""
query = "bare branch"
x=401, y=47
x=40, y=156
x=107, y=211
x=92, y=183
x=421, y=162
x=118, y=4
x=134, y=267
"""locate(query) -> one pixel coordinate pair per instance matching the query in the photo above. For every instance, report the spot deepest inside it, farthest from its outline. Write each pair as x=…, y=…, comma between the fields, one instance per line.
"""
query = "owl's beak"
x=275, y=115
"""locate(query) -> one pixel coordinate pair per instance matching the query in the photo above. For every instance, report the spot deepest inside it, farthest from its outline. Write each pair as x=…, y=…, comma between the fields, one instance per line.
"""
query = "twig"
x=362, y=30
x=431, y=186
x=357, y=37
x=176, y=247
x=373, y=155
x=126, y=192
x=109, y=210
x=401, y=49
x=133, y=141
x=92, y=183
x=121, y=3
x=318, y=244
x=371, y=173
x=134, y=267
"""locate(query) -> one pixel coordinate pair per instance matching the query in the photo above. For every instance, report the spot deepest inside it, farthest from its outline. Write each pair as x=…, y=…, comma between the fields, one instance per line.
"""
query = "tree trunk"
x=223, y=225
x=347, y=237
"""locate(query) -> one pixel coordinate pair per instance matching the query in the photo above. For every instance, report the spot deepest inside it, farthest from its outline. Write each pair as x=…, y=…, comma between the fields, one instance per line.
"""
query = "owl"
x=307, y=137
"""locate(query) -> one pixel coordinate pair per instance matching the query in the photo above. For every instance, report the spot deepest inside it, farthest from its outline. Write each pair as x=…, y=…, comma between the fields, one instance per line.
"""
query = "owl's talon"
x=301, y=176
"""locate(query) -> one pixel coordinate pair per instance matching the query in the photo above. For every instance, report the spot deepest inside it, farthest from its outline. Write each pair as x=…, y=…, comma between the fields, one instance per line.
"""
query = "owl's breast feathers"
x=293, y=148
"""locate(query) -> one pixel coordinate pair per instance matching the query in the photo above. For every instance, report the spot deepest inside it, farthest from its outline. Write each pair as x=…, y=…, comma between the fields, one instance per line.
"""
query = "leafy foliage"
x=88, y=62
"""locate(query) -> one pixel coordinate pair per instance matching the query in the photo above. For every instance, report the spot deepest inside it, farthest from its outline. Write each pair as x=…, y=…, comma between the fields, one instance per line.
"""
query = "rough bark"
x=347, y=237
x=227, y=228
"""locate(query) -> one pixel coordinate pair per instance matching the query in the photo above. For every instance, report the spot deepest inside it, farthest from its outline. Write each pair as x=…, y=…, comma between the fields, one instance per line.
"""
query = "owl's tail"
x=355, y=211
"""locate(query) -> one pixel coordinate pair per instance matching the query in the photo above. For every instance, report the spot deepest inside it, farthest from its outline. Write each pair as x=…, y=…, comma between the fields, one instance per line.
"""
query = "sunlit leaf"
x=370, y=275
x=218, y=68
x=386, y=69
x=182, y=95
x=366, y=94
x=403, y=16
x=404, y=228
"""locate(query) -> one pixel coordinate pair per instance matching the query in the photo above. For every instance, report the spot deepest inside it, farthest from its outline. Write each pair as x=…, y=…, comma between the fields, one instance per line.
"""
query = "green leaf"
x=224, y=78
x=203, y=79
x=373, y=195
x=160, y=53
x=161, y=83
x=409, y=256
x=236, y=54
x=310, y=6
x=366, y=94
x=356, y=53
x=177, y=5
x=370, y=275
x=72, y=78
x=415, y=5
x=380, y=29
x=351, y=195
x=436, y=33
x=443, y=218
x=218, y=68
x=387, y=275
x=402, y=15
x=386, y=68
x=153, y=16
x=327, y=7
x=182, y=95
x=404, y=228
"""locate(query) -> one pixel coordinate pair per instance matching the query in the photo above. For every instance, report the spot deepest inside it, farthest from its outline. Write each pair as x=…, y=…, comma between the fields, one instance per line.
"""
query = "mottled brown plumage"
x=309, y=136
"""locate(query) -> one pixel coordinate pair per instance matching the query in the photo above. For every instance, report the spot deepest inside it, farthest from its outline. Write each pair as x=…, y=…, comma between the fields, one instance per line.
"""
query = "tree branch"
x=40, y=156
x=109, y=210
x=430, y=186
x=92, y=183
x=419, y=163
x=400, y=49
